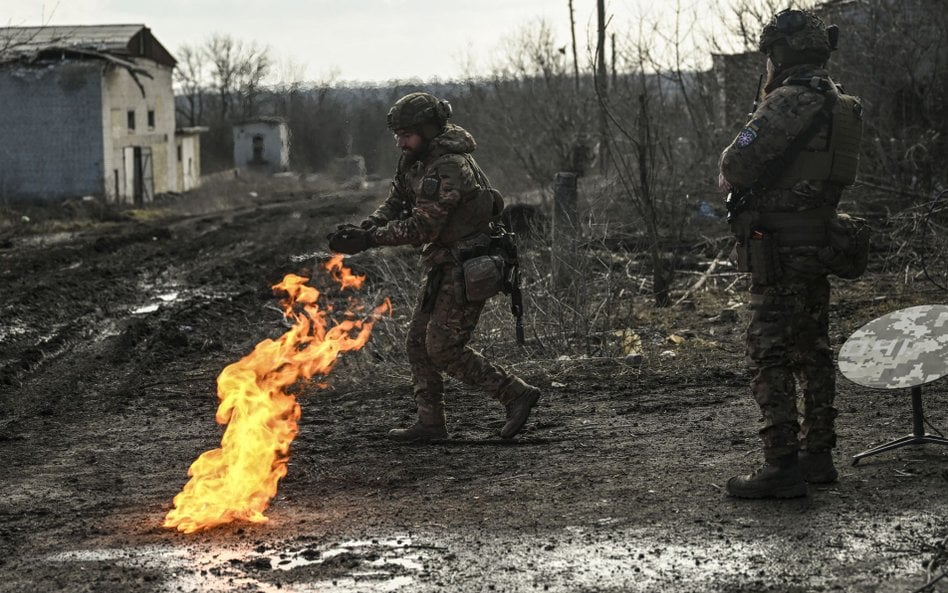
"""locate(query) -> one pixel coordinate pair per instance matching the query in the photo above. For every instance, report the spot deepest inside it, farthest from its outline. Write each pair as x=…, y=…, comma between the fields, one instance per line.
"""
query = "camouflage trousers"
x=440, y=328
x=788, y=345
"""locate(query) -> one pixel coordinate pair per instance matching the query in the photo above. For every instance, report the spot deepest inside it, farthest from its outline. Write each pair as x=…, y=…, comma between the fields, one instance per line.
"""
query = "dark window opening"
x=131, y=119
x=151, y=119
x=258, y=149
x=179, y=153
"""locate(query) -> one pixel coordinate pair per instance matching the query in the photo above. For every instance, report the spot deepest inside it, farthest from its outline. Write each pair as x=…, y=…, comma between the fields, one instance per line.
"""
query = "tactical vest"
x=838, y=160
x=476, y=211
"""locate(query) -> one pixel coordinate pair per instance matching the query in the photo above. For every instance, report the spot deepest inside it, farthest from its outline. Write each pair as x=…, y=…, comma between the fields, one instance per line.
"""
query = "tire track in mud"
x=91, y=290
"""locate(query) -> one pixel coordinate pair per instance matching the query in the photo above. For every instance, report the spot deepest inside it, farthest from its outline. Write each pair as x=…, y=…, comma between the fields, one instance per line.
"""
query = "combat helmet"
x=420, y=112
x=798, y=37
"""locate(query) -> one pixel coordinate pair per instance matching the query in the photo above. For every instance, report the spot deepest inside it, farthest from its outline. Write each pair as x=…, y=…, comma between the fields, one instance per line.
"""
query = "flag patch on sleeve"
x=748, y=134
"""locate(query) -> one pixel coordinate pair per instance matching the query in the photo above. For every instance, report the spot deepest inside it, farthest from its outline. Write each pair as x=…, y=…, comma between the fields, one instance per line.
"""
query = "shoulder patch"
x=747, y=136
x=429, y=186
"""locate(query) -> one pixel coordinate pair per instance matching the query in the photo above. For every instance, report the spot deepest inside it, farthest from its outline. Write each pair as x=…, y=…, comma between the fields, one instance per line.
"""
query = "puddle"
x=373, y=566
x=166, y=298
x=173, y=294
x=638, y=562
x=12, y=329
x=183, y=568
x=47, y=239
x=319, y=256
x=577, y=558
x=397, y=552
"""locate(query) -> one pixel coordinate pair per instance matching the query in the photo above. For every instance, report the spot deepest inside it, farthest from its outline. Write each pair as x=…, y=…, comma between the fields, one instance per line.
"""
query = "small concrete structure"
x=188, y=148
x=262, y=144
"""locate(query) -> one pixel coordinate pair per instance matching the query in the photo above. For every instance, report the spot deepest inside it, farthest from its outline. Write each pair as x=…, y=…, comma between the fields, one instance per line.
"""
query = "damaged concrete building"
x=90, y=110
x=262, y=144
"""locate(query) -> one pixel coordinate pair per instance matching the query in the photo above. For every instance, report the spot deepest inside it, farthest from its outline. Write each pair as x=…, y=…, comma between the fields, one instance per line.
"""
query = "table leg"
x=918, y=436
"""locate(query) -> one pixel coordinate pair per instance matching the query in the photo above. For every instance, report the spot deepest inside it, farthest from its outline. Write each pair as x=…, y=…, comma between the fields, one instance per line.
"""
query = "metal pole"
x=918, y=428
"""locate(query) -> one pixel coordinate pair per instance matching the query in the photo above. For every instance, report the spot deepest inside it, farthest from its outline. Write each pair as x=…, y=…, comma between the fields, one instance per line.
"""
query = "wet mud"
x=110, y=342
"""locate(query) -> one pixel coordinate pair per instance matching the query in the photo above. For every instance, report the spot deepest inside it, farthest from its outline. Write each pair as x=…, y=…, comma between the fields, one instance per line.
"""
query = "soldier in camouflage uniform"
x=789, y=194
x=438, y=200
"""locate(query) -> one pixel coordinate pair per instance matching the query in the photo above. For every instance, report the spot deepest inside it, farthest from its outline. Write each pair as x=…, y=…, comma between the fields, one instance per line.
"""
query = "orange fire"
x=237, y=481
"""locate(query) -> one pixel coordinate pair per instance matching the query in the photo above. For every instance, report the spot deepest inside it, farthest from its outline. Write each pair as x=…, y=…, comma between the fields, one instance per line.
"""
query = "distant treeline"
x=656, y=123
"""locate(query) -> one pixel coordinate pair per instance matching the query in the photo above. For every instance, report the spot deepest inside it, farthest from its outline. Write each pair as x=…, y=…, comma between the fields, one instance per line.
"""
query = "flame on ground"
x=237, y=481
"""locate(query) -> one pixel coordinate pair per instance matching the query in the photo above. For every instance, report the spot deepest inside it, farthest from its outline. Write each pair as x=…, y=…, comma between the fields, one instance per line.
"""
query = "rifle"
x=516, y=302
x=508, y=247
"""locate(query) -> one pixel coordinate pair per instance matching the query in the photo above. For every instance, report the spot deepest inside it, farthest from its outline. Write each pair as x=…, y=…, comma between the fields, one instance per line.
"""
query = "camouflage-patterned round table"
x=903, y=349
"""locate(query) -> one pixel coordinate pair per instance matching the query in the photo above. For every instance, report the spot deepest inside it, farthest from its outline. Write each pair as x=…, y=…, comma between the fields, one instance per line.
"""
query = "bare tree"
x=531, y=101
x=894, y=55
x=191, y=78
x=659, y=136
x=17, y=38
x=236, y=72
x=255, y=65
x=223, y=53
x=572, y=32
x=602, y=82
x=746, y=18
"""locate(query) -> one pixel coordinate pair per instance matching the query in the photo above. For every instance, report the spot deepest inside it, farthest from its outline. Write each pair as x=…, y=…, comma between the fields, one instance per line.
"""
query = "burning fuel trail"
x=236, y=481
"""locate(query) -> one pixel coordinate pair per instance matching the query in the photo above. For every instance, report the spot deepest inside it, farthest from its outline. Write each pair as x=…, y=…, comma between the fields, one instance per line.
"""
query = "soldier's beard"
x=414, y=155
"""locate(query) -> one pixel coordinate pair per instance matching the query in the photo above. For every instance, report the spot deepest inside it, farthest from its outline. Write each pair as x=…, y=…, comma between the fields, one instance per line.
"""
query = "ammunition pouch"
x=807, y=228
x=763, y=234
x=483, y=277
x=487, y=263
x=470, y=247
x=481, y=274
x=762, y=257
x=841, y=242
x=847, y=254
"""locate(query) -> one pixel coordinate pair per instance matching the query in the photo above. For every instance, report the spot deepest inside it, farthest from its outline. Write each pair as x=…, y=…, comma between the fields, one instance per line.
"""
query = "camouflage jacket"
x=426, y=194
x=786, y=111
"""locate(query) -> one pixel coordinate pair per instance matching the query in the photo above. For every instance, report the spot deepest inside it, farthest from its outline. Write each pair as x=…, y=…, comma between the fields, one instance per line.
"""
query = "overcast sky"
x=347, y=40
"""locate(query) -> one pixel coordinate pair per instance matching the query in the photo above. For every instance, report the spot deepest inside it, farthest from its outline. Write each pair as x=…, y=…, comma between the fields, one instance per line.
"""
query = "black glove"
x=368, y=224
x=350, y=240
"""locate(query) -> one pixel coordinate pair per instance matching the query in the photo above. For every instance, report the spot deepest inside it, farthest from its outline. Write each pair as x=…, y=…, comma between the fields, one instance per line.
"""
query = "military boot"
x=817, y=467
x=518, y=409
x=778, y=478
x=430, y=426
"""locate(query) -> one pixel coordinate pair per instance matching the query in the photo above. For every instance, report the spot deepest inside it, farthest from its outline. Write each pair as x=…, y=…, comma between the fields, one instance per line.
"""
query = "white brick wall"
x=51, y=139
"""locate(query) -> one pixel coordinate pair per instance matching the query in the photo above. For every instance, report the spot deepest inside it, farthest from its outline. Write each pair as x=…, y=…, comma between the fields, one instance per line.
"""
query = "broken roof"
x=122, y=41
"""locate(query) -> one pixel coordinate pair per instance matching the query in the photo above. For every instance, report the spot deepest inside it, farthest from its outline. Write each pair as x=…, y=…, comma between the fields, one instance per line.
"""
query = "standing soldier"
x=442, y=200
x=786, y=171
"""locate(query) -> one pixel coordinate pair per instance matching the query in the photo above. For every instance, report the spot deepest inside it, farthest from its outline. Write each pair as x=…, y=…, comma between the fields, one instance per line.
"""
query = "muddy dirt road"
x=111, y=338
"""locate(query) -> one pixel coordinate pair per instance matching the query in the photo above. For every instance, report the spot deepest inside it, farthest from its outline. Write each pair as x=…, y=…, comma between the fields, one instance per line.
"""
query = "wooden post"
x=565, y=227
